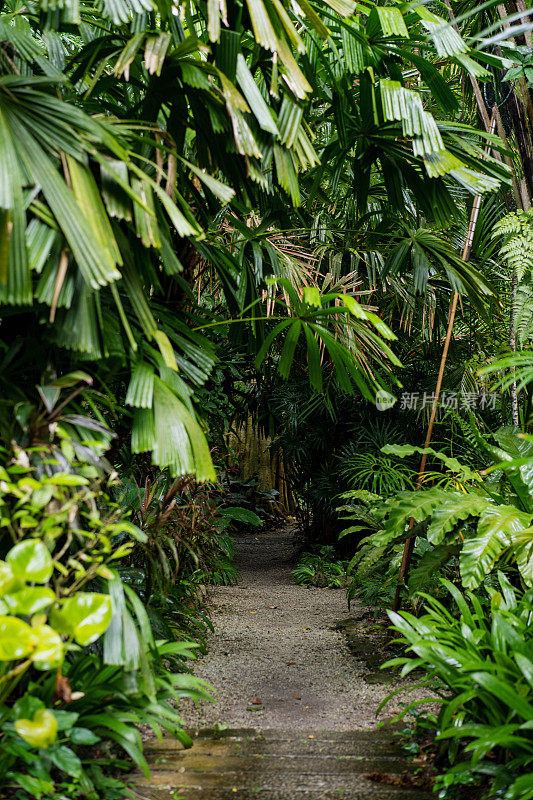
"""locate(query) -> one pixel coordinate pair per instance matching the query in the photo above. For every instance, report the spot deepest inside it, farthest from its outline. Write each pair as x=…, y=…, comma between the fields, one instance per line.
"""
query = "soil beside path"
x=275, y=642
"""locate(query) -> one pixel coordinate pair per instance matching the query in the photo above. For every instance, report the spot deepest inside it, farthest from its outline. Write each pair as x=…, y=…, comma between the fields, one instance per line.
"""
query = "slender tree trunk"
x=512, y=342
x=410, y=543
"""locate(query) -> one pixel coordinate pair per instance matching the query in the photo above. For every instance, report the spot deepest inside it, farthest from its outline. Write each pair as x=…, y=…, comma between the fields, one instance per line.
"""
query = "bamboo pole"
x=410, y=543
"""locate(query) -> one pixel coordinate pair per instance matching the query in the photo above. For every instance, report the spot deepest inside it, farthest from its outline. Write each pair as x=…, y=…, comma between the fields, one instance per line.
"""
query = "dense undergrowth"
x=101, y=613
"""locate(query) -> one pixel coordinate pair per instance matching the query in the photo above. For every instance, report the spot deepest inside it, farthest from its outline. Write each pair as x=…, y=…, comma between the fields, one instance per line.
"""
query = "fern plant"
x=321, y=569
x=473, y=523
x=517, y=252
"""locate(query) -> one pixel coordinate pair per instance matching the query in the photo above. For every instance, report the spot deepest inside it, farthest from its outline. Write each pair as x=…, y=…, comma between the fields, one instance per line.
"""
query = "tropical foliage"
x=216, y=212
x=478, y=662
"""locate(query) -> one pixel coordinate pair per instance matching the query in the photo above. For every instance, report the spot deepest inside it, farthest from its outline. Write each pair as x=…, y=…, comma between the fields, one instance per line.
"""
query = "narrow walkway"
x=300, y=709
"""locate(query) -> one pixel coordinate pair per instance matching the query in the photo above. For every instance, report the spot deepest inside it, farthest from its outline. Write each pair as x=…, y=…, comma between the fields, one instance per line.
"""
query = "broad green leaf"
x=89, y=198
x=16, y=638
x=31, y=561
x=41, y=731
x=495, y=531
x=83, y=736
x=7, y=578
x=430, y=564
x=503, y=691
x=97, y=270
x=389, y=19
x=66, y=760
x=224, y=193
x=240, y=515
x=179, y=442
x=166, y=349
x=311, y=296
x=445, y=38
x=418, y=505
x=353, y=306
x=49, y=652
x=145, y=215
x=84, y=617
x=143, y=430
x=403, y=450
x=29, y=600
x=457, y=508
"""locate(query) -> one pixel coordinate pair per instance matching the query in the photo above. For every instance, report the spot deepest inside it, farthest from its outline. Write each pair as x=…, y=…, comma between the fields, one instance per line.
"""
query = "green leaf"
x=49, y=652
x=30, y=561
x=240, y=515
x=7, y=578
x=66, y=760
x=430, y=564
x=262, y=26
x=503, y=691
x=97, y=269
x=29, y=600
x=83, y=736
x=457, y=508
x=34, y=786
x=389, y=19
x=312, y=296
x=141, y=388
x=166, y=349
x=179, y=442
x=16, y=638
x=84, y=617
x=404, y=450
x=289, y=346
x=496, y=528
x=418, y=505
x=41, y=731
x=255, y=100
x=445, y=38
x=224, y=193
x=65, y=719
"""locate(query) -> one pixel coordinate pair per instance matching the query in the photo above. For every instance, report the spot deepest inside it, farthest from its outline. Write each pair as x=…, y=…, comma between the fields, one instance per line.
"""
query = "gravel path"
x=274, y=643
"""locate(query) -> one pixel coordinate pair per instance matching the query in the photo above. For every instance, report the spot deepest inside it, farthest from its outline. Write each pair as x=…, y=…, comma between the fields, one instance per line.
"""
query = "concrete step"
x=262, y=764
x=277, y=765
x=282, y=735
x=375, y=792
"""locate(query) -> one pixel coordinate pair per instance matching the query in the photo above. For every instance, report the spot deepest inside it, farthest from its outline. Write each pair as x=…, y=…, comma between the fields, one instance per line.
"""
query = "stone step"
x=261, y=764
x=278, y=765
x=282, y=735
x=253, y=746
x=375, y=792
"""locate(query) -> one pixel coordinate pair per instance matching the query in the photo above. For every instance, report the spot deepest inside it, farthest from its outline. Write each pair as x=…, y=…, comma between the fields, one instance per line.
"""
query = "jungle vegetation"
x=218, y=210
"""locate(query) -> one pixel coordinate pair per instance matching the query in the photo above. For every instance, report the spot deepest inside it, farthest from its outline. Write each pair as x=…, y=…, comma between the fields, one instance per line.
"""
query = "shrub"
x=320, y=569
x=78, y=661
x=480, y=665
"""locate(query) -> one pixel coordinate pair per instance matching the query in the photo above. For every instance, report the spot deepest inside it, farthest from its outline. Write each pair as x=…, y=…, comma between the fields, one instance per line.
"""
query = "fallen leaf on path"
x=297, y=697
x=291, y=663
x=256, y=702
x=272, y=606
